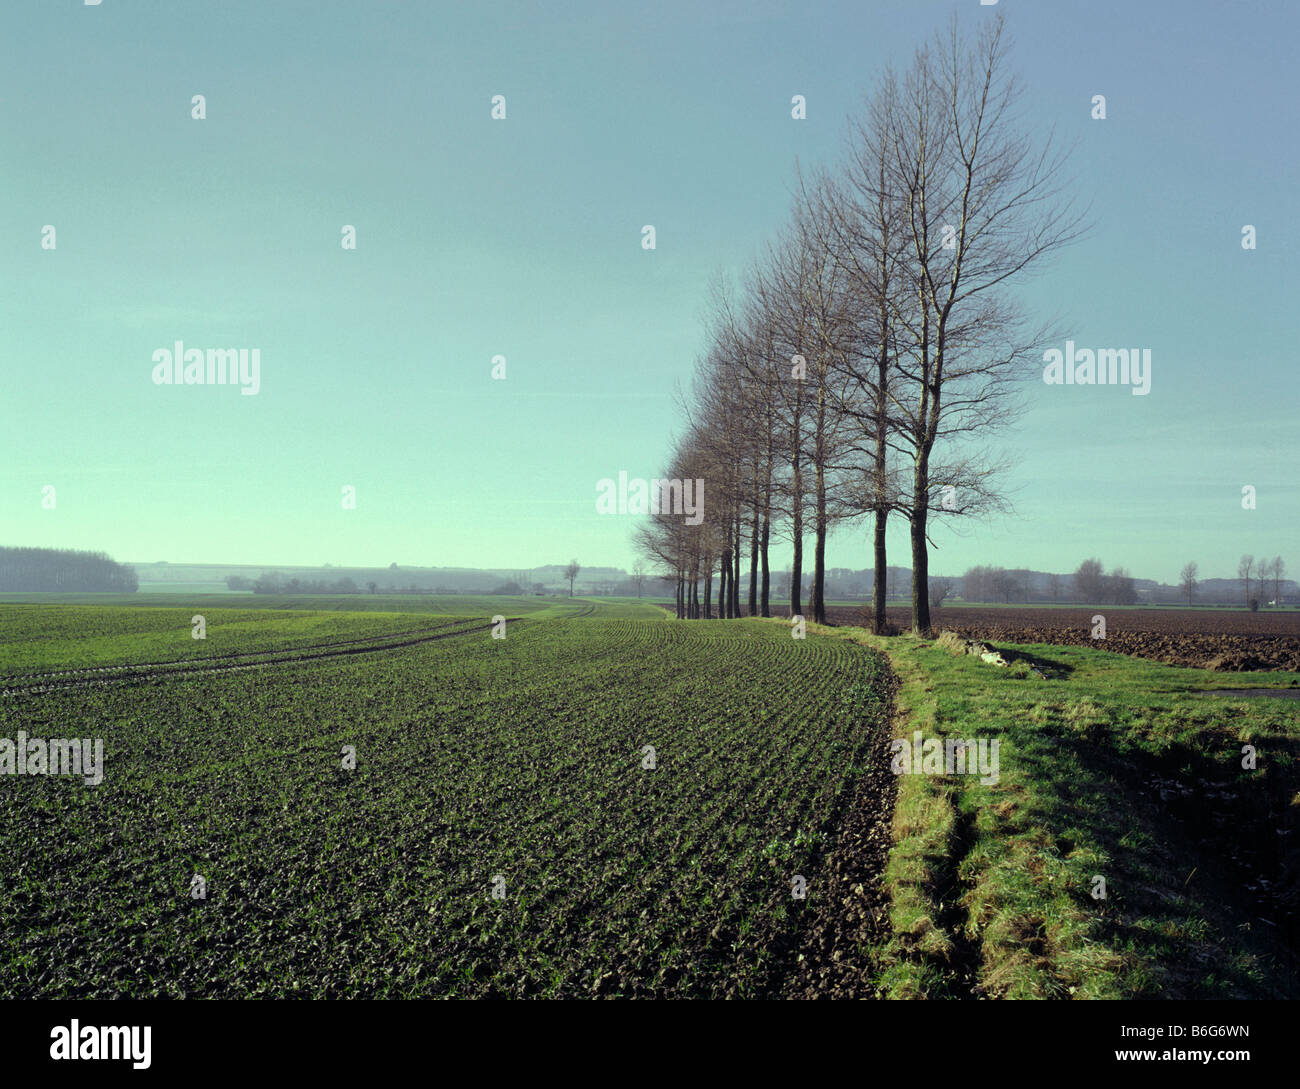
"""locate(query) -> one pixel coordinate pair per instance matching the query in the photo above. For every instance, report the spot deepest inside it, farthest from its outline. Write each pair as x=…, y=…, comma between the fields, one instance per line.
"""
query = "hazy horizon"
x=507, y=569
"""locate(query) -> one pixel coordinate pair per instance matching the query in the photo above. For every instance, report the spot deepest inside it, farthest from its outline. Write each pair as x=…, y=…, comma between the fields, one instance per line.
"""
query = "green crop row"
x=501, y=833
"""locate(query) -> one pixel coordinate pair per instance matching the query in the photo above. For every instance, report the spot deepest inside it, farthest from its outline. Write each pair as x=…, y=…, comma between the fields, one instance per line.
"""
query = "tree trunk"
x=880, y=422
x=819, y=553
x=735, y=572
x=819, y=575
x=796, y=529
x=796, y=566
x=920, y=556
x=878, y=576
x=767, y=514
x=753, y=565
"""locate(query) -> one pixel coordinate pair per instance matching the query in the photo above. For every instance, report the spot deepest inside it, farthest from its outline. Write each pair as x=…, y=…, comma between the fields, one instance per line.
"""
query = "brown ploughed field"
x=1222, y=639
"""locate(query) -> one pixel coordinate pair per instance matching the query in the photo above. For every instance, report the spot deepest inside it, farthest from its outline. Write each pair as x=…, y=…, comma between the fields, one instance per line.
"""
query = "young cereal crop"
x=527, y=815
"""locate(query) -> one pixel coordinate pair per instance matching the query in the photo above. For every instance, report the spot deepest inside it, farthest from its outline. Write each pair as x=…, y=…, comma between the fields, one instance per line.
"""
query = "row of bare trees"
x=864, y=360
x=1263, y=571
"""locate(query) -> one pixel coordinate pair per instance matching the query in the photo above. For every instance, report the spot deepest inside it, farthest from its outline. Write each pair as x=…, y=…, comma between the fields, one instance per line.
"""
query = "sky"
x=478, y=237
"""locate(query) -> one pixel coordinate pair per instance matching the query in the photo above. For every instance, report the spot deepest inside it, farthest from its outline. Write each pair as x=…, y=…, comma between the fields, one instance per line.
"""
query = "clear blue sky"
x=522, y=238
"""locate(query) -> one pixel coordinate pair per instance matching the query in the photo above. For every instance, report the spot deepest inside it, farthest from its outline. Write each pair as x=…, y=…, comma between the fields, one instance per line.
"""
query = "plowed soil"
x=1227, y=640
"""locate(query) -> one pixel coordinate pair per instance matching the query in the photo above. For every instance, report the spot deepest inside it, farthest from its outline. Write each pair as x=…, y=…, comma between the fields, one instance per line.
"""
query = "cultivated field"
x=507, y=830
x=515, y=766
x=1218, y=639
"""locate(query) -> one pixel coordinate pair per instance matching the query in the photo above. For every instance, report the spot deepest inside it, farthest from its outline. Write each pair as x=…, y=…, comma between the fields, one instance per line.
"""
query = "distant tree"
x=571, y=573
x=40, y=570
x=638, y=576
x=1278, y=570
x=1244, y=569
x=509, y=588
x=1090, y=582
x=1119, y=589
x=1188, y=581
x=269, y=582
x=977, y=583
x=372, y=587
x=939, y=591
x=1054, y=587
x=1265, y=572
x=1004, y=585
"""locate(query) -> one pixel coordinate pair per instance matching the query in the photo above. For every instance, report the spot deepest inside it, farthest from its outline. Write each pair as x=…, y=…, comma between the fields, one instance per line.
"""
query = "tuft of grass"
x=952, y=642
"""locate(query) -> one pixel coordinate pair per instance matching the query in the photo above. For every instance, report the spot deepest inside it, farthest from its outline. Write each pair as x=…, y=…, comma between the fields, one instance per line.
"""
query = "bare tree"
x=1005, y=585
x=1279, y=569
x=1244, y=569
x=1089, y=582
x=638, y=576
x=983, y=207
x=571, y=573
x=1187, y=581
x=805, y=307
x=939, y=591
x=1119, y=588
x=733, y=417
x=858, y=219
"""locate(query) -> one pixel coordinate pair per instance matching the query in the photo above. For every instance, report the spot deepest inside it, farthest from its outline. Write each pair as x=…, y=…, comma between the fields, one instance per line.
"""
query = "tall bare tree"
x=1244, y=569
x=984, y=206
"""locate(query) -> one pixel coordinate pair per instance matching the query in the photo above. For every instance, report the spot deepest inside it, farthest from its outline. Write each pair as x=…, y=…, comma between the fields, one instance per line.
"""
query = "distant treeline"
x=62, y=570
x=275, y=583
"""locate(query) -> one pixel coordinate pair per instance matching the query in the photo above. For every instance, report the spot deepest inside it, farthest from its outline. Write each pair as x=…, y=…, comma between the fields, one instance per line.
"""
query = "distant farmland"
x=1219, y=639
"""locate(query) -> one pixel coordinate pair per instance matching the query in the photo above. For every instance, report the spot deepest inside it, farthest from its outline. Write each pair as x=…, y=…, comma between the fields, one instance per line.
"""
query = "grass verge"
x=1126, y=849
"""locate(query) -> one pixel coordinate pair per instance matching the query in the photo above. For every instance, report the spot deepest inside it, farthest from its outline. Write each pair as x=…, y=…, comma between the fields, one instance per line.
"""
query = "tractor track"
x=214, y=659
x=106, y=676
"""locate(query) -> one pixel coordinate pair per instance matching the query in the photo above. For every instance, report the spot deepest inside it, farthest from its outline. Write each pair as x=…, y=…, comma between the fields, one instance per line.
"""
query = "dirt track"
x=103, y=676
